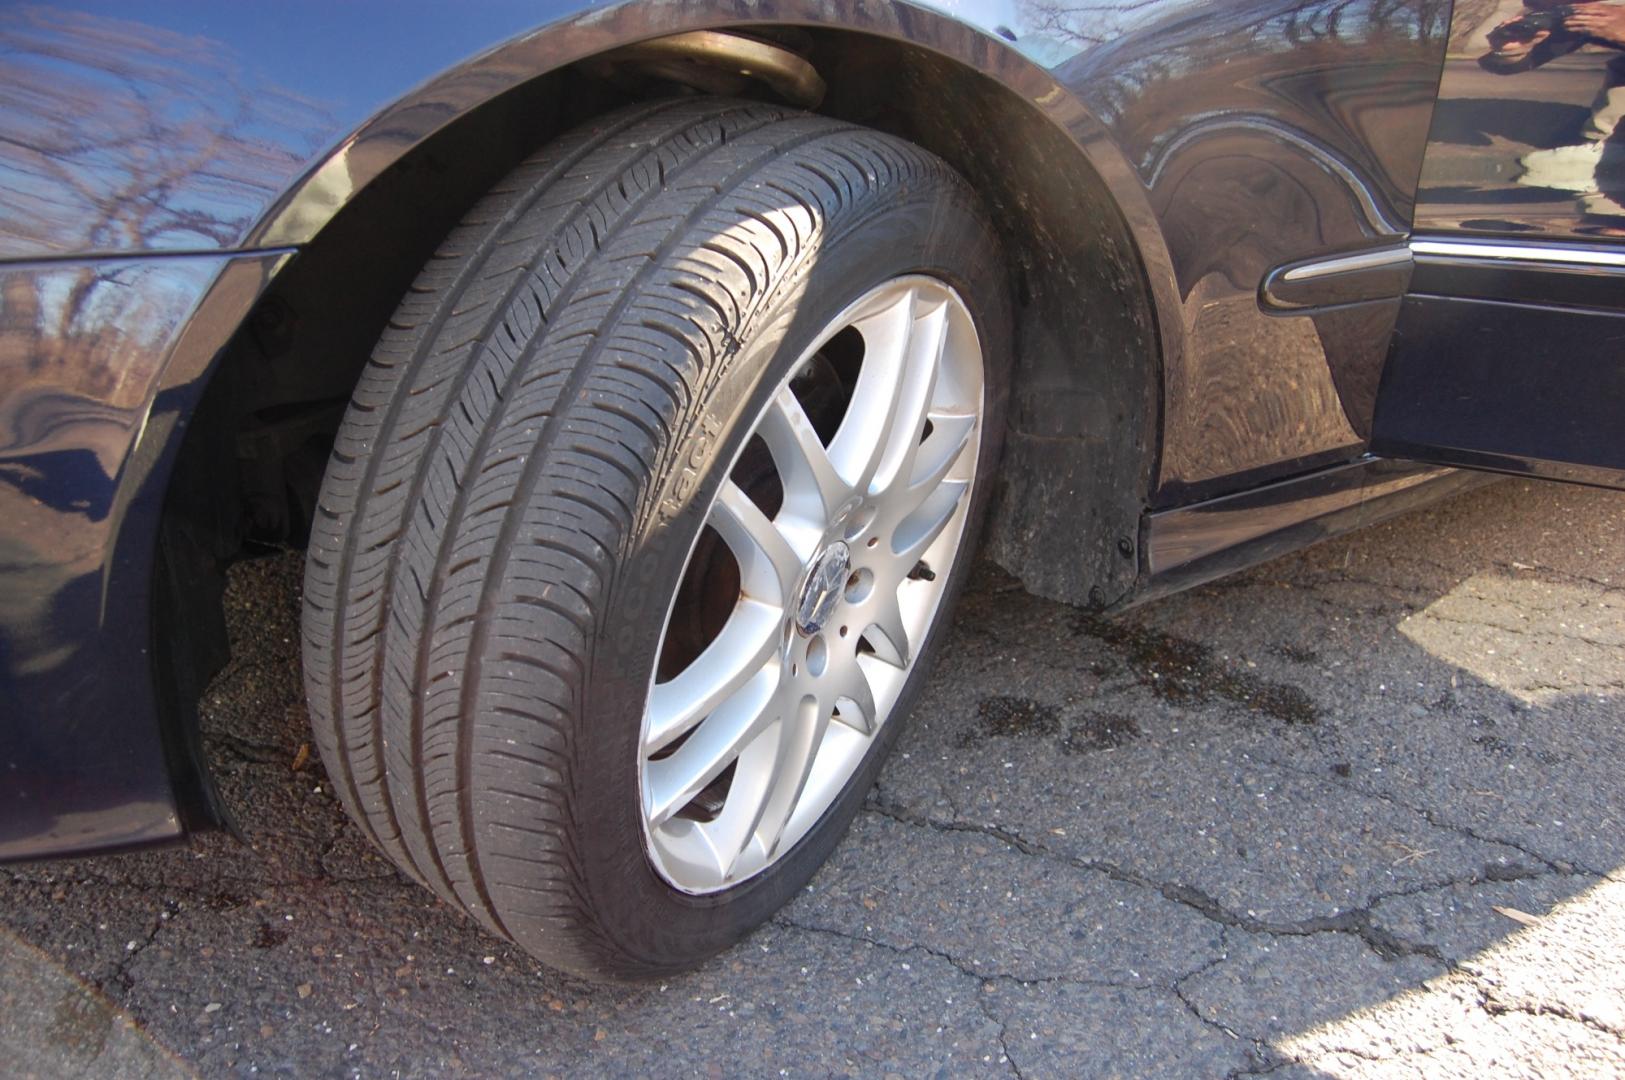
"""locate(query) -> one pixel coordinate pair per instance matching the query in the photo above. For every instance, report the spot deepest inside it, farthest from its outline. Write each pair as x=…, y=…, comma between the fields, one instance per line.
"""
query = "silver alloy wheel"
x=745, y=747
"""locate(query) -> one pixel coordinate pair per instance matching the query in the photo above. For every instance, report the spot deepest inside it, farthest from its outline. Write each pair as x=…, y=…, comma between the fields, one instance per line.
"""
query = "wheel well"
x=1083, y=418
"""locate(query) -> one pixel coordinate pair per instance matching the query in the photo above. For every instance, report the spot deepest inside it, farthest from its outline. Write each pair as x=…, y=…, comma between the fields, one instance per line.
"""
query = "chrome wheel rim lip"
x=793, y=704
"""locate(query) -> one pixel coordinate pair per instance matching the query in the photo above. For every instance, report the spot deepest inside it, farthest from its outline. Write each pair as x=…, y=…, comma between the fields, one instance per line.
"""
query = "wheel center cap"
x=825, y=582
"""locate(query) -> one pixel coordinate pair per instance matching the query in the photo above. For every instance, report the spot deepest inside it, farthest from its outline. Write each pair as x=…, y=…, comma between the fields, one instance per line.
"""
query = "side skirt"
x=1195, y=544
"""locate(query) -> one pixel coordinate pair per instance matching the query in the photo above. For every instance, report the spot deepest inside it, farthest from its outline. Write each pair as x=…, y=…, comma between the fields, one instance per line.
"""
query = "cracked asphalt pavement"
x=1357, y=812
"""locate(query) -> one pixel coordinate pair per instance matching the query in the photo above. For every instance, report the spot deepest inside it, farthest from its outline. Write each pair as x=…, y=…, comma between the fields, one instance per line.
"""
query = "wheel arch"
x=1088, y=266
x=1091, y=267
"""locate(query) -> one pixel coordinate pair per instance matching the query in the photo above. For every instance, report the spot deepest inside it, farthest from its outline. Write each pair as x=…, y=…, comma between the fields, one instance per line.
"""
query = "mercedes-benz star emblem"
x=823, y=589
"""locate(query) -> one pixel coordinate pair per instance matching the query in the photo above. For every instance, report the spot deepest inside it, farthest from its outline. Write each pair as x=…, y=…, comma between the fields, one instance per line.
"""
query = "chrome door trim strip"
x=1514, y=252
x=1342, y=264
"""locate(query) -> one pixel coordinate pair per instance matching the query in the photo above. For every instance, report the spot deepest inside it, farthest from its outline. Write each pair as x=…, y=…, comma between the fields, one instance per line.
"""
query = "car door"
x=1509, y=352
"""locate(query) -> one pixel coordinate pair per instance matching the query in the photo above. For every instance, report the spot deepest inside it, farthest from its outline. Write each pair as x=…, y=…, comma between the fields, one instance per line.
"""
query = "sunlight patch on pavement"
x=1499, y=626
x=55, y=1026
x=1549, y=1000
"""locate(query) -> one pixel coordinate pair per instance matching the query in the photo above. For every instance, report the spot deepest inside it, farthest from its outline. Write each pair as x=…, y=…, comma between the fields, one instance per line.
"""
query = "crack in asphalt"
x=964, y=967
x=1262, y=1058
x=1488, y=1003
x=977, y=992
x=1356, y=921
x=120, y=976
x=1526, y=631
x=246, y=751
x=1494, y=1005
x=1177, y=988
x=983, y=980
x=1558, y=867
x=328, y=874
x=1359, y=922
x=1003, y=1036
x=1261, y=1068
x=1537, y=571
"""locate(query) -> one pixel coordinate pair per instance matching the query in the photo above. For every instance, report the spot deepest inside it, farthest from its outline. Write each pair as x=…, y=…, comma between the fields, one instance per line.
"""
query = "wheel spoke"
x=733, y=836
x=768, y=566
x=937, y=456
x=860, y=444
x=798, y=747
x=891, y=643
x=856, y=697
x=672, y=782
x=921, y=528
x=813, y=491
x=746, y=643
x=923, y=359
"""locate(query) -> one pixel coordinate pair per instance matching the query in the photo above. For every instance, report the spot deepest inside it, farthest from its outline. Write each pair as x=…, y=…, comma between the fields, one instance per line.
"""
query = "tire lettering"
x=693, y=465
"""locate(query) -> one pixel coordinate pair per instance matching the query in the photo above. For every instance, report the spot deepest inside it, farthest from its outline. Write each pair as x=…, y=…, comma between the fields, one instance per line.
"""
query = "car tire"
x=518, y=531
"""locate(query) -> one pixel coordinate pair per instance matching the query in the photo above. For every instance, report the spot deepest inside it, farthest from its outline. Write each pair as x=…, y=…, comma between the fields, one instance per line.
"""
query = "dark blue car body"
x=1280, y=277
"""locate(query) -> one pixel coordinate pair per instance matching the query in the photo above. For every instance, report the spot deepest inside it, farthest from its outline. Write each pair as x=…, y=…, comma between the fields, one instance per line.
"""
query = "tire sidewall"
x=935, y=230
